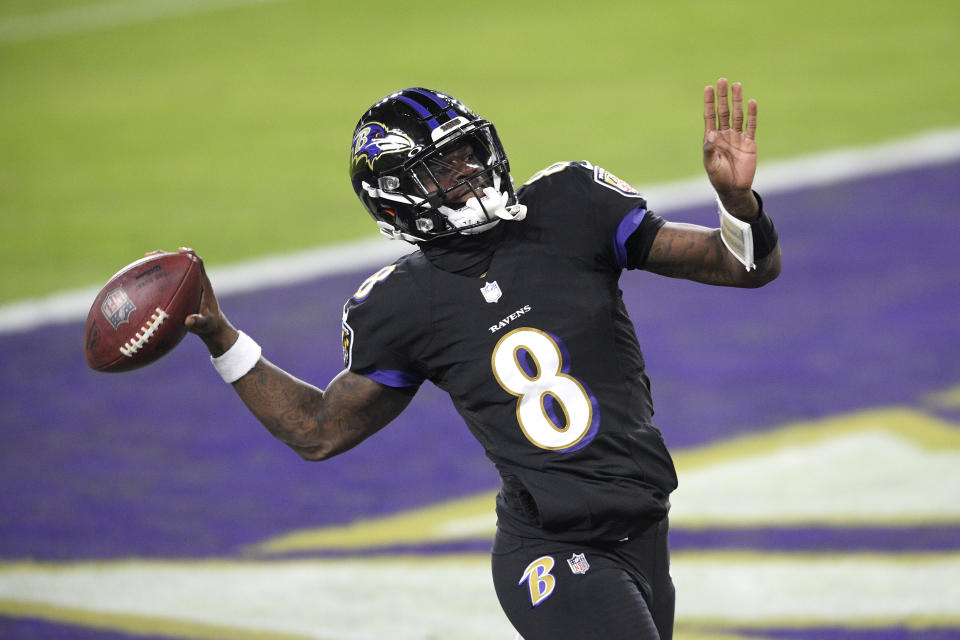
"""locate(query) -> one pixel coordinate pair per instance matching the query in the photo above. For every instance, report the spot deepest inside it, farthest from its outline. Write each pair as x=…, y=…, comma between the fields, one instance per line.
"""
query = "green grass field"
x=226, y=125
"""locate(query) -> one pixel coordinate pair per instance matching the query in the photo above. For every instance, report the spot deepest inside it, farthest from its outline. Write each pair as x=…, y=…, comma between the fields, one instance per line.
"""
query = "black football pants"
x=562, y=591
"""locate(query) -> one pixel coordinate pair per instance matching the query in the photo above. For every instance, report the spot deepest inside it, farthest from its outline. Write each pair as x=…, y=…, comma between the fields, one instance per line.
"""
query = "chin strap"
x=477, y=214
x=496, y=203
x=517, y=212
x=485, y=212
x=393, y=233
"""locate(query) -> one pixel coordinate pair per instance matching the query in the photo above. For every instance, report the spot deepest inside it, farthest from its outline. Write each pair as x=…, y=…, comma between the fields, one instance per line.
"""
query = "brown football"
x=137, y=317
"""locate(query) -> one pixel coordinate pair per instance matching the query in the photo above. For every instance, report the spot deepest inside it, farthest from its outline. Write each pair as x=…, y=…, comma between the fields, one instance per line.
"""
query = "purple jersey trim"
x=625, y=229
x=393, y=378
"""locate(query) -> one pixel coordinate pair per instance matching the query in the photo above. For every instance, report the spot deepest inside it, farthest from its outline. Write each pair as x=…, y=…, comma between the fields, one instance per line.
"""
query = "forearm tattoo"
x=313, y=422
x=698, y=254
x=290, y=411
x=690, y=254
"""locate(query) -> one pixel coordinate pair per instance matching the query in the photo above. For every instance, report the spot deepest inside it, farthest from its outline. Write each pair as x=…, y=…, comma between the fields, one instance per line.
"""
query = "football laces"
x=142, y=337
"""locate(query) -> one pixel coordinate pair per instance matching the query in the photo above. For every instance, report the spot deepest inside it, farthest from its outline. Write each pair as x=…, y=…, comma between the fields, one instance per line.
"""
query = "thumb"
x=197, y=323
x=709, y=141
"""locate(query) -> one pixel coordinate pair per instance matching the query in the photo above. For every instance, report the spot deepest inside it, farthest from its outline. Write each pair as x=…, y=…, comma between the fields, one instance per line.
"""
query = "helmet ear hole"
x=389, y=183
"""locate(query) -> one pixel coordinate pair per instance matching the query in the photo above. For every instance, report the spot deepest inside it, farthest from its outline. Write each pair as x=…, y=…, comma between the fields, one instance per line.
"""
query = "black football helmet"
x=426, y=166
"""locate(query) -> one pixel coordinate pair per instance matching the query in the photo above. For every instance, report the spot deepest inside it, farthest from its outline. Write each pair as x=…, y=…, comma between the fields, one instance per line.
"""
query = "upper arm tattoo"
x=316, y=423
x=692, y=252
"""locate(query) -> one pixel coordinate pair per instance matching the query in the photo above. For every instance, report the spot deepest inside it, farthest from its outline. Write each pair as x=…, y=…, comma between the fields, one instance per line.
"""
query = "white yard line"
x=925, y=149
x=421, y=597
x=815, y=170
x=259, y=273
x=106, y=15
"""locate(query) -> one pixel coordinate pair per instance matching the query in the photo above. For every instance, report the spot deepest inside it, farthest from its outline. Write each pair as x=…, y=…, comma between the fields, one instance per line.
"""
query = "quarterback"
x=510, y=303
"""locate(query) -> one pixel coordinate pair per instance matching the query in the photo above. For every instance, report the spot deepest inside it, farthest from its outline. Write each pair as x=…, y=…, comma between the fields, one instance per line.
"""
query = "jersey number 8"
x=555, y=410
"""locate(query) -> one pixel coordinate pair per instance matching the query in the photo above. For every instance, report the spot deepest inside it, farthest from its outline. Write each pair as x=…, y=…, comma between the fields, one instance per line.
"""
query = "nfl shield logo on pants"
x=578, y=563
x=491, y=291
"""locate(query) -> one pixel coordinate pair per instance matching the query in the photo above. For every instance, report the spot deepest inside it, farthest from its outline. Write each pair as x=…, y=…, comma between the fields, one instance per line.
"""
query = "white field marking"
x=925, y=149
x=847, y=467
x=261, y=273
x=106, y=15
x=929, y=148
x=423, y=597
x=415, y=598
x=817, y=589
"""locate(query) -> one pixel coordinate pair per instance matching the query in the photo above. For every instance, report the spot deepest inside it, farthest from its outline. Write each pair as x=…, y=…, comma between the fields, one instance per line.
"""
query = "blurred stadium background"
x=815, y=422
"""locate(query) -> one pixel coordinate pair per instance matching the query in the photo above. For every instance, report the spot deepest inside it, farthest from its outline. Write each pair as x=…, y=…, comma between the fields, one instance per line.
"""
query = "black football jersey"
x=538, y=355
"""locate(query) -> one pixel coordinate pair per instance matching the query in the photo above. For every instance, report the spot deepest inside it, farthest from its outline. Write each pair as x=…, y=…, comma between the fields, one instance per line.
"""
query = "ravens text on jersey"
x=538, y=356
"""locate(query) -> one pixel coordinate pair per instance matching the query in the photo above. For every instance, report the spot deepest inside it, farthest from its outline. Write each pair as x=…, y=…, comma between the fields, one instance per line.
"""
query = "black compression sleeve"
x=641, y=240
x=764, y=233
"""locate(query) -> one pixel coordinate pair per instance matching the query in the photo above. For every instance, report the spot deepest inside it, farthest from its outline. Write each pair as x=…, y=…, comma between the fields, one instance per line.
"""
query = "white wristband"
x=737, y=236
x=238, y=360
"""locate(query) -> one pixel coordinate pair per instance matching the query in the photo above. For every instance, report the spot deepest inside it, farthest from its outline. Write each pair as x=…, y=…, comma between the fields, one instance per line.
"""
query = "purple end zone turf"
x=30, y=629
x=165, y=462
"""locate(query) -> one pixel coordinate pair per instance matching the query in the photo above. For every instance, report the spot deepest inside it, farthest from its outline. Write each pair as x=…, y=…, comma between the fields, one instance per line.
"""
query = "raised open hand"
x=729, y=151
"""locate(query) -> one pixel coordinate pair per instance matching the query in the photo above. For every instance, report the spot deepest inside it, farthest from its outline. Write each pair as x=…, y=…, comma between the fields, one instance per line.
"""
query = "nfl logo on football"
x=117, y=307
x=578, y=563
x=491, y=291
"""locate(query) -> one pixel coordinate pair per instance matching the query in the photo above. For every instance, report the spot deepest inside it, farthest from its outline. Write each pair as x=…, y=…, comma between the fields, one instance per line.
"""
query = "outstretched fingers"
x=751, y=119
x=709, y=111
x=737, y=91
x=716, y=109
x=723, y=107
x=717, y=113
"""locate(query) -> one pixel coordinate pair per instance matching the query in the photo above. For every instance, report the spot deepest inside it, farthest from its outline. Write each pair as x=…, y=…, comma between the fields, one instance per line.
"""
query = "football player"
x=511, y=305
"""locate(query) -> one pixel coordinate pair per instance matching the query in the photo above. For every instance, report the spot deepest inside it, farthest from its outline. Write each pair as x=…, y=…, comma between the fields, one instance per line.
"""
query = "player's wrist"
x=220, y=341
x=747, y=240
x=237, y=361
x=741, y=204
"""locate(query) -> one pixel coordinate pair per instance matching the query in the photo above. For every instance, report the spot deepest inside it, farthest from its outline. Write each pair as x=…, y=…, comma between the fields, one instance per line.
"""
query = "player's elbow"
x=766, y=272
x=324, y=449
x=761, y=279
x=316, y=453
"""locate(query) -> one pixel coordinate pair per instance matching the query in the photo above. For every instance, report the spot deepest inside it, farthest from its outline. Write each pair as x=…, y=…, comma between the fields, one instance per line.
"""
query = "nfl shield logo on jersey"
x=578, y=563
x=491, y=291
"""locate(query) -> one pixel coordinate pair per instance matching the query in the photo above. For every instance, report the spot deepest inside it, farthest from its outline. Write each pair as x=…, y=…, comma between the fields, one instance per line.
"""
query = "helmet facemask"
x=459, y=184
